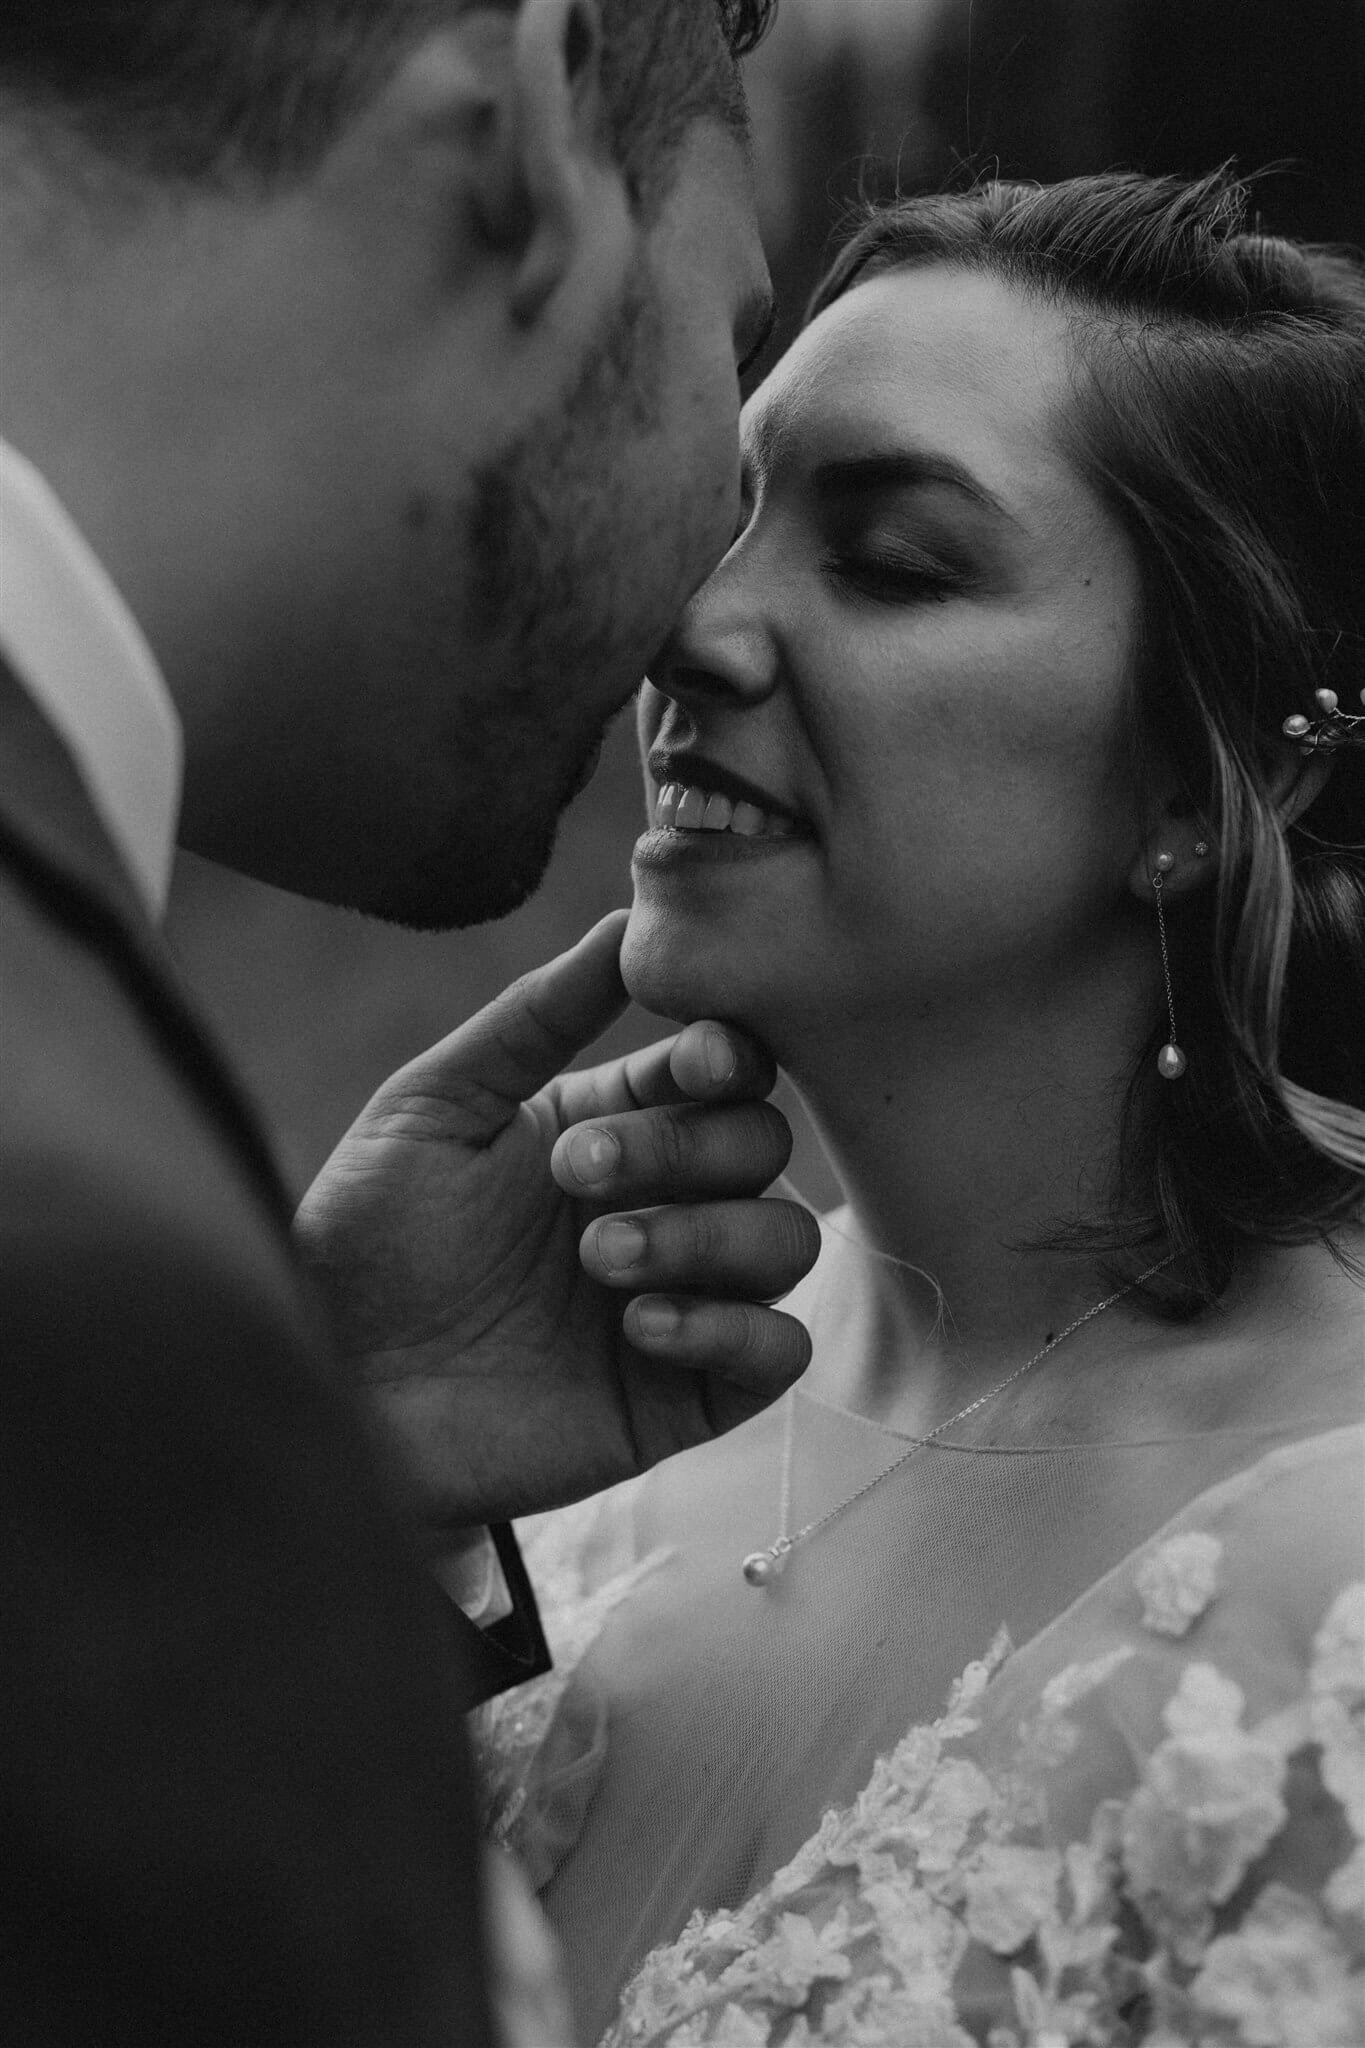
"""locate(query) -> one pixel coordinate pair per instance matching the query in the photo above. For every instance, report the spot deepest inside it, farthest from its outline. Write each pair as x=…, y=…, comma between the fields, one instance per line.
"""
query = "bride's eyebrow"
x=899, y=470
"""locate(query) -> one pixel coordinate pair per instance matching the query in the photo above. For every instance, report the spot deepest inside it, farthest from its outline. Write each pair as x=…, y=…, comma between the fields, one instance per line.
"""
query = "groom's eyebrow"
x=754, y=328
x=900, y=470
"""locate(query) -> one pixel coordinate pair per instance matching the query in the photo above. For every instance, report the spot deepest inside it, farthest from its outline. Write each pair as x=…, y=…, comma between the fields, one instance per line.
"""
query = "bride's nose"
x=722, y=648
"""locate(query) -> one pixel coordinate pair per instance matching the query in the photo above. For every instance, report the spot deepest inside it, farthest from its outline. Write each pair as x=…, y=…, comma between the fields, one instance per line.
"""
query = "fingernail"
x=619, y=1244
x=657, y=1319
x=592, y=1155
x=720, y=1057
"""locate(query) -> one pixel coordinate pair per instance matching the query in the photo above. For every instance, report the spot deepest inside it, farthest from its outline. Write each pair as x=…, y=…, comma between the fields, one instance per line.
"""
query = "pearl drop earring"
x=1170, y=1061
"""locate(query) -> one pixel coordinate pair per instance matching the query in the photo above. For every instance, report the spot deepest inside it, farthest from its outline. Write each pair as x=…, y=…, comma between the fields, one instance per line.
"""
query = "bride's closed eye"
x=893, y=572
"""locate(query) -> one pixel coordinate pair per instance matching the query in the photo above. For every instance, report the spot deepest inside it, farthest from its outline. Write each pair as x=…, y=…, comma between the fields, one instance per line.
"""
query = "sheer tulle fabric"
x=695, y=1731
x=1148, y=1827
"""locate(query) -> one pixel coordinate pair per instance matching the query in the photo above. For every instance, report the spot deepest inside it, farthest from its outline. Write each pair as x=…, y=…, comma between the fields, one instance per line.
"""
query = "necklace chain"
x=762, y=1566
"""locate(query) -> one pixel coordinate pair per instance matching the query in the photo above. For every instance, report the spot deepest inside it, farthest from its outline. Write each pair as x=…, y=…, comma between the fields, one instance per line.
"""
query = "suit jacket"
x=236, y=1803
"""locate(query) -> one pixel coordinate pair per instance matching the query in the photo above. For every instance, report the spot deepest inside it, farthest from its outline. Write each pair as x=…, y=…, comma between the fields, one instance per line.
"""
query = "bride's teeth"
x=679, y=808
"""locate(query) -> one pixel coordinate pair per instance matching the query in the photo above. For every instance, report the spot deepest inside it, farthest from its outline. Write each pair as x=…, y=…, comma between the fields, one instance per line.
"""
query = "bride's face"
x=911, y=673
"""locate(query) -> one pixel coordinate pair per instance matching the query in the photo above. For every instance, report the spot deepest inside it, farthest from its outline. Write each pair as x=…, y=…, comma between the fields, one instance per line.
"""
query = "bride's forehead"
x=954, y=350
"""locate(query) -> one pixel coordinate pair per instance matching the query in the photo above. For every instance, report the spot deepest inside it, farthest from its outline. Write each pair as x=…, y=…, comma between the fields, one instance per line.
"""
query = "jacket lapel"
x=51, y=837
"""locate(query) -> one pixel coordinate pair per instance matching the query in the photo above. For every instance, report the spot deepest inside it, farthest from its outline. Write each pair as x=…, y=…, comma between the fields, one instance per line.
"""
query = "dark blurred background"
x=319, y=1005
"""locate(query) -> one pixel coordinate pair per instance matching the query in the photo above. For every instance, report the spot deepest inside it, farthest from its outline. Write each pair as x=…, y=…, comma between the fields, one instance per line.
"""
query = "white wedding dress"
x=785, y=1817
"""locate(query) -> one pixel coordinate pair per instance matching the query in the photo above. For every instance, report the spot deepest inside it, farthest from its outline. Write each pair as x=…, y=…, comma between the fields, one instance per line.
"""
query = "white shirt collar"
x=81, y=655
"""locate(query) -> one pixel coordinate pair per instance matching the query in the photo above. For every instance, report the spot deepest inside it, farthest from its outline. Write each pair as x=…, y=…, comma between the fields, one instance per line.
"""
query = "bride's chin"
x=669, y=969
x=653, y=971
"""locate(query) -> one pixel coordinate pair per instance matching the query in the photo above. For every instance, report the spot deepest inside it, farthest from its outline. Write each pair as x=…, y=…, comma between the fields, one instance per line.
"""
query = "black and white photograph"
x=682, y=1023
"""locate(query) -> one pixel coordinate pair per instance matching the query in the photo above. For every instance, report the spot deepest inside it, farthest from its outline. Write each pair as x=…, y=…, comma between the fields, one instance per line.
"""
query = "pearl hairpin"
x=1335, y=727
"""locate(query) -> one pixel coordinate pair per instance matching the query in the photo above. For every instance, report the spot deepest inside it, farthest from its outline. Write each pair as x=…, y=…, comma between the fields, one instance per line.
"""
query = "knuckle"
x=675, y=1143
x=529, y=1008
x=708, y=1241
x=516, y=1022
x=747, y=1145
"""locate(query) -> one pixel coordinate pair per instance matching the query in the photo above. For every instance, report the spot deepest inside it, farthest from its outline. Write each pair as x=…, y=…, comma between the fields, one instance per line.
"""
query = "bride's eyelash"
x=892, y=577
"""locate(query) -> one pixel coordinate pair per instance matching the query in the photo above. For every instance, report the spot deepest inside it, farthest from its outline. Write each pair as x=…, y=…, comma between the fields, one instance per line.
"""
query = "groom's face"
x=584, y=536
x=459, y=572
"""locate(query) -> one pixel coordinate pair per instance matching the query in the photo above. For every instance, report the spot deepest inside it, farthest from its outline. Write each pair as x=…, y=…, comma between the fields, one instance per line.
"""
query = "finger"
x=708, y=1062
x=713, y=1062
x=748, y=1251
x=747, y=1347
x=686, y=1153
x=477, y=1078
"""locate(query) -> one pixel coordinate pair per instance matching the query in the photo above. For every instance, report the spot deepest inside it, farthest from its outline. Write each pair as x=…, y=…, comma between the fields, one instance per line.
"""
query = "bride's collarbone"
x=1290, y=1358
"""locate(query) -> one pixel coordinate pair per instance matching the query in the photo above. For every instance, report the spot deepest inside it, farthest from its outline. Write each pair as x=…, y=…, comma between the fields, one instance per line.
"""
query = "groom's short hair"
x=221, y=90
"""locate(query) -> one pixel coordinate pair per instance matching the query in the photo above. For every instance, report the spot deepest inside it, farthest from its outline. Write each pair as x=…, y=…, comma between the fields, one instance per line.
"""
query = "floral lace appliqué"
x=1177, y=1580
x=933, y=1913
x=1336, y=1684
x=1210, y=1801
x=1282, y=1980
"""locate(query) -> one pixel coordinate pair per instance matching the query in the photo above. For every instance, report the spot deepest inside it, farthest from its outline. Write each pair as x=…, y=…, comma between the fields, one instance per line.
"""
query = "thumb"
x=487, y=1068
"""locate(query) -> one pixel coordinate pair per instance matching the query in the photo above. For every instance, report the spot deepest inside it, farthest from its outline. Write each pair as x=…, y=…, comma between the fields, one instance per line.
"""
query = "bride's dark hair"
x=1219, y=408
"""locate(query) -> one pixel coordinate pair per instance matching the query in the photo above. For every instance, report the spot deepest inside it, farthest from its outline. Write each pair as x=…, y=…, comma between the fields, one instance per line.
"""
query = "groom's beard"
x=554, y=559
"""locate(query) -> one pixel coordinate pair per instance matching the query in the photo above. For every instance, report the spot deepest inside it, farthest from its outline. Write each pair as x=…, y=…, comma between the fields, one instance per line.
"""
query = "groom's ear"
x=507, y=103
x=577, y=206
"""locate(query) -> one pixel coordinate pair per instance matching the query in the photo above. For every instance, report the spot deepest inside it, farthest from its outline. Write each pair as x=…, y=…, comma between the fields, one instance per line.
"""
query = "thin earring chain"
x=775, y=1556
x=1158, y=885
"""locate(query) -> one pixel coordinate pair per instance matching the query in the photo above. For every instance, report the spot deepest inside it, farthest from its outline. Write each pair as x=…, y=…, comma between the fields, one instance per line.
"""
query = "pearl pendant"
x=1170, y=1063
x=760, y=1568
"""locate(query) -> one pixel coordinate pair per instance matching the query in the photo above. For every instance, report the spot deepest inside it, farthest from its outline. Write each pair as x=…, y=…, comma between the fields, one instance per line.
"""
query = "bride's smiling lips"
x=703, y=810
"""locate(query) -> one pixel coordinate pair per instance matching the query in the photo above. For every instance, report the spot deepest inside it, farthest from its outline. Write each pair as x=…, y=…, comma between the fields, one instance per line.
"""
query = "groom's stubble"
x=560, y=622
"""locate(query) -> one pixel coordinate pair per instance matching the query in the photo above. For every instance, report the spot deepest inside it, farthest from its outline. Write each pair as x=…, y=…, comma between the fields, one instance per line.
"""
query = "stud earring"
x=1201, y=849
x=1170, y=1061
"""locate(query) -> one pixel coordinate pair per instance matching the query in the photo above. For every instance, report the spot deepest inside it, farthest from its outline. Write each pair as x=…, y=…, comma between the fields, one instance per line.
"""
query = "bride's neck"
x=959, y=1149
x=956, y=1147
x=960, y=1140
